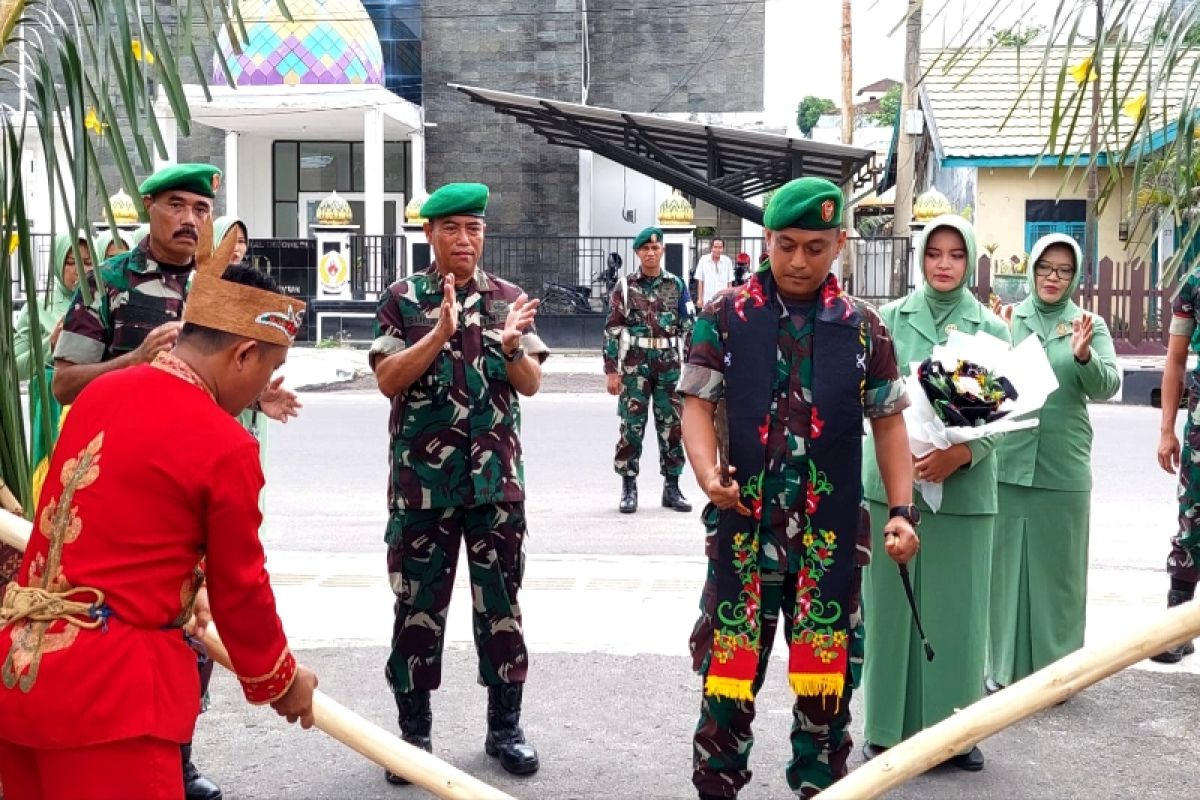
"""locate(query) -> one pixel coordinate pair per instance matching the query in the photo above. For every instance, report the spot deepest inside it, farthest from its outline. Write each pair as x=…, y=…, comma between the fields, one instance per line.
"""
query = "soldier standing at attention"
x=651, y=313
x=787, y=367
x=455, y=346
x=1183, y=563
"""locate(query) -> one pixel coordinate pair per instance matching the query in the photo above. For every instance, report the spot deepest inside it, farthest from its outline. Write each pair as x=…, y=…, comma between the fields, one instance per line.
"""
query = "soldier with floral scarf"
x=789, y=366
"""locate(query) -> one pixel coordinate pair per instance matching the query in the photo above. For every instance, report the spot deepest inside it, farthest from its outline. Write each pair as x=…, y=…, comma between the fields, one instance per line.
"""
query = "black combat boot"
x=672, y=497
x=505, y=739
x=416, y=726
x=628, y=494
x=1176, y=597
x=195, y=785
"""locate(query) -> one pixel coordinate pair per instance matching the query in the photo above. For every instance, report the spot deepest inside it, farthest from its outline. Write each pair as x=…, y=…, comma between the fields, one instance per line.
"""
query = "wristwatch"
x=909, y=512
x=515, y=355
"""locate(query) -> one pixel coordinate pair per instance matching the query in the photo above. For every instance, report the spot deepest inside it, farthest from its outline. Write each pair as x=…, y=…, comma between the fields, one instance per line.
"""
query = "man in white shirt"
x=714, y=272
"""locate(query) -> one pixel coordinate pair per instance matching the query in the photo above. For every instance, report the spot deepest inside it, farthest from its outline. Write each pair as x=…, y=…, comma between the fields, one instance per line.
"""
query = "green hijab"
x=139, y=233
x=944, y=304
x=105, y=239
x=58, y=261
x=1047, y=316
x=223, y=225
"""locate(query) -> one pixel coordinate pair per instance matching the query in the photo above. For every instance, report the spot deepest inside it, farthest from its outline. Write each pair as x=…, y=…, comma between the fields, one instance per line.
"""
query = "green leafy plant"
x=86, y=72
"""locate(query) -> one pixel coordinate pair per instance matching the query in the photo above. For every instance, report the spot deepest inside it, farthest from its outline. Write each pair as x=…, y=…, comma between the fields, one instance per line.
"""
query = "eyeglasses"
x=1043, y=270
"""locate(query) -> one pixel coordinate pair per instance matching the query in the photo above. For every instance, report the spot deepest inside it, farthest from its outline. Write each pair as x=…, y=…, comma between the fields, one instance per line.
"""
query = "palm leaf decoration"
x=1143, y=58
x=86, y=73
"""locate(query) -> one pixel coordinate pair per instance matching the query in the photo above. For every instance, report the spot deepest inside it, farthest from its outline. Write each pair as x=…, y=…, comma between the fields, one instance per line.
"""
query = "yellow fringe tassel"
x=733, y=688
x=808, y=685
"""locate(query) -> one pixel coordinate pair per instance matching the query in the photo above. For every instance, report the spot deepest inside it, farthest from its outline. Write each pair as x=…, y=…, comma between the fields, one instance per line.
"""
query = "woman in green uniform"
x=108, y=245
x=904, y=693
x=67, y=273
x=252, y=419
x=1040, y=540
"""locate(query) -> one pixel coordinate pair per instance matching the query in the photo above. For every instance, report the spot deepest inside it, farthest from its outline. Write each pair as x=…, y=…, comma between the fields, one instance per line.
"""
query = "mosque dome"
x=676, y=210
x=930, y=204
x=328, y=42
x=123, y=209
x=334, y=210
x=412, y=211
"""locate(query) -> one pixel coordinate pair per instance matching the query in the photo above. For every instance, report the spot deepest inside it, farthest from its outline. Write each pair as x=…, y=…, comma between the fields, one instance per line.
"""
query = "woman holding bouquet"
x=904, y=692
x=1040, y=542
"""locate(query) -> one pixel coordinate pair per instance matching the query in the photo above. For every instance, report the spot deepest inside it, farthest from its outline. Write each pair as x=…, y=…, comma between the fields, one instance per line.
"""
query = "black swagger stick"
x=912, y=603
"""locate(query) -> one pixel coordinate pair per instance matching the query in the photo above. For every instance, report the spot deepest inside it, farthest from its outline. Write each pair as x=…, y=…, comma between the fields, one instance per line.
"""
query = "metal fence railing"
x=540, y=264
x=42, y=245
x=375, y=263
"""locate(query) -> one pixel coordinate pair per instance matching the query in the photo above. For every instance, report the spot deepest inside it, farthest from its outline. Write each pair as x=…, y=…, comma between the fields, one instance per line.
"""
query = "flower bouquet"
x=972, y=387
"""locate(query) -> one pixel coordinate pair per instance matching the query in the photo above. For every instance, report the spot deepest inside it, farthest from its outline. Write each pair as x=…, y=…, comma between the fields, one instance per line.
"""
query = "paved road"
x=609, y=601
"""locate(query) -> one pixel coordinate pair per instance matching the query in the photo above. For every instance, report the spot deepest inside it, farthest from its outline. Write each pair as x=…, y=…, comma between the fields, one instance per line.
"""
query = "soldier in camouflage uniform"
x=455, y=346
x=138, y=314
x=1183, y=563
x=651, y=314
x=795, y=366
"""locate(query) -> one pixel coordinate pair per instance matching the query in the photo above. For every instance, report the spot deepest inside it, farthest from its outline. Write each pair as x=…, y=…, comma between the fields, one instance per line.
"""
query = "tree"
x=1016, y=35
x=889, y=108
x=810, y=110
x=84, y=71
x=1116, y=82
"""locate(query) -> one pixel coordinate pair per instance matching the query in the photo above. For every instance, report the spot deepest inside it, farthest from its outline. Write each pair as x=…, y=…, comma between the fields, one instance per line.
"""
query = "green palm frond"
x=1144, y=56
x=85, y=73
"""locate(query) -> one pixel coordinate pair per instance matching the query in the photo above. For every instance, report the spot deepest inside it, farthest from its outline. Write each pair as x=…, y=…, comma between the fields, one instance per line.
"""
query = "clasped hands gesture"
x=520, y=317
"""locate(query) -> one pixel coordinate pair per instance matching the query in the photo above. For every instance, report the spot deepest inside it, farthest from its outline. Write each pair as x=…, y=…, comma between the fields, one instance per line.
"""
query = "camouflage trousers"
x=721, y=746
x=650, y=374
x=422, y=558
x=1185, y=544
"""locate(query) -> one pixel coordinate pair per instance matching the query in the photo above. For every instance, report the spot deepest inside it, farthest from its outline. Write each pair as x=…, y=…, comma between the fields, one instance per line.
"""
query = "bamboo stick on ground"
x=1053, y=684
x=385, y=749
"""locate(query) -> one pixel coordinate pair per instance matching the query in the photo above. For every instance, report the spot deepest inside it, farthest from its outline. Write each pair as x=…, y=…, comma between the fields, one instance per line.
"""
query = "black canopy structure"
x=723, y=166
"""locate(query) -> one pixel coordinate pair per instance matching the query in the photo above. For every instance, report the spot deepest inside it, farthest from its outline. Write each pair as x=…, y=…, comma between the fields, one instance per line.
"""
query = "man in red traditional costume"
x=138, y=514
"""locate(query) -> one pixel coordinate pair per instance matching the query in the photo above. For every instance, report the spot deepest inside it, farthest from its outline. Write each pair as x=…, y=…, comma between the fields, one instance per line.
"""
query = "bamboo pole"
x=1053, y=684
x=365, y=737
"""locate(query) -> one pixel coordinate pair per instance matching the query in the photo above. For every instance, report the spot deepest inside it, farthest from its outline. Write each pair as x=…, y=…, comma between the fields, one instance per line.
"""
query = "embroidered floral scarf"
x=818, y=642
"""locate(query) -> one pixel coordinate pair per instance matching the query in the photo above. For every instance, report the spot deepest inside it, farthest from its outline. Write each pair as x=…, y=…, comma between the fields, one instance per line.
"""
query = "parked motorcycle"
x=573, y=298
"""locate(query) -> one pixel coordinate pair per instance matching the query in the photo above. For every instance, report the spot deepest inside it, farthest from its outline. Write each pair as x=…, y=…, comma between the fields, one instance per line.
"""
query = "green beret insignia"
x=469, y=199
x=647, y=235
x=813, y=204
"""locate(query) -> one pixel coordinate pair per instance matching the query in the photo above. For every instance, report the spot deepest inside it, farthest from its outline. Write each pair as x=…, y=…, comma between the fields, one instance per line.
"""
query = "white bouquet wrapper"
x=1026, y=368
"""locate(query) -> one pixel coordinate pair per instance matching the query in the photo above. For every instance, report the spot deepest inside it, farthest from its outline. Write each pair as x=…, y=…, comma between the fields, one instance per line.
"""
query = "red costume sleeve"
x=243, y=604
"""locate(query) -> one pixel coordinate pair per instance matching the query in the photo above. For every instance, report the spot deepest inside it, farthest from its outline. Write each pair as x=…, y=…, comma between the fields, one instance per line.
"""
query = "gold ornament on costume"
x=412, y=211
x=123, y=209
x=676, y=210
x=334, y=210
x=930, y=204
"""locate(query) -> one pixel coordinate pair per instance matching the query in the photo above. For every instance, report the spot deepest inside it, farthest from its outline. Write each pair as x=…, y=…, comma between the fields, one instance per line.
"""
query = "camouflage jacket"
x=645, y=307
x=785, y=502
x=138, y=296
x=455, y=432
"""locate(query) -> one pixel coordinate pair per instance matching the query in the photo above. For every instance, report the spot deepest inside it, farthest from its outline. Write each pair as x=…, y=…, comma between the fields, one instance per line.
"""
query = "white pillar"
x=170, y=135
x=585, y=193
x=232, y=173
x=416, y=149
x=373, y=172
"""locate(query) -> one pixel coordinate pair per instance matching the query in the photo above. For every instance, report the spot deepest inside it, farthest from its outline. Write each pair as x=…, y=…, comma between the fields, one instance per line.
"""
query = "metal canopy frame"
x=723, y=166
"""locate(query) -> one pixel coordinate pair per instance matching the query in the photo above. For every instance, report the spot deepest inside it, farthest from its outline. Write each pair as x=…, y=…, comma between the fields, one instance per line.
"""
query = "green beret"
x=456, y=198
x=201, y=179
x=812, y=204
x=647, y=235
